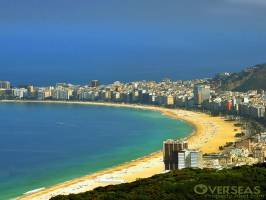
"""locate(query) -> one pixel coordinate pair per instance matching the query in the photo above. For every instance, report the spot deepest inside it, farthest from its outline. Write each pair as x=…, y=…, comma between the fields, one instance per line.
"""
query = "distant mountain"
x=251, y=78
x=187, y=184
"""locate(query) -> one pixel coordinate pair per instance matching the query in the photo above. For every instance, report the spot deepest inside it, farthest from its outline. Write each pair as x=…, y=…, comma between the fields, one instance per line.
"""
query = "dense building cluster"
x=191, y=94
x=247, y=150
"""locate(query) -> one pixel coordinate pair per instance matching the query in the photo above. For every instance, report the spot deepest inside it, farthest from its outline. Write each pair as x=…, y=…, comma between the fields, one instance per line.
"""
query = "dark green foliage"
x=179, y=185
x=239, y=135
x=238, y=125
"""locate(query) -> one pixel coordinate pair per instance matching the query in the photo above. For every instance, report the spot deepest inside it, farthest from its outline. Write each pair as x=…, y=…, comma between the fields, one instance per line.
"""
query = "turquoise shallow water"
x=44, y=144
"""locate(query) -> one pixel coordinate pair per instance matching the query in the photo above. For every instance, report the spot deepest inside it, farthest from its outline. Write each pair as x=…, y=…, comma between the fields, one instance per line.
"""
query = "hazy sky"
x=62, y=40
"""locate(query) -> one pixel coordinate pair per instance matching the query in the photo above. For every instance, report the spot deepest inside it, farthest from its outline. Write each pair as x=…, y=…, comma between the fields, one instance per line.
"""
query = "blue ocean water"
x=44, y=144
x=44, y=42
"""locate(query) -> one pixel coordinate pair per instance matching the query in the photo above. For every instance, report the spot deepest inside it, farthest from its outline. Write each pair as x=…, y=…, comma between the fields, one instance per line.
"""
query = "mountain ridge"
x=251, y=78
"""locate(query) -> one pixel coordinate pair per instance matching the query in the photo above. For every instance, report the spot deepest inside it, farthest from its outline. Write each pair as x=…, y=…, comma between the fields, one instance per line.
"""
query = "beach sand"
x=210, y=133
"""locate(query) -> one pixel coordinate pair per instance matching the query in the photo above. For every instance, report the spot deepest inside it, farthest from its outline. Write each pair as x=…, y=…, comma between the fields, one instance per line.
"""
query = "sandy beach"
x=210, y=133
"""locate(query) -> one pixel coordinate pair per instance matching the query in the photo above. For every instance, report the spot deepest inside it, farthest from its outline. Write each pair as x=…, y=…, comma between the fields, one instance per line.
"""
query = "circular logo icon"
x=200, y=189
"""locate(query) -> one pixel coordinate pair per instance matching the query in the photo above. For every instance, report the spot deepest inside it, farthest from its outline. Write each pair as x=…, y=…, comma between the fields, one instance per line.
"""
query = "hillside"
x=252, y=78
x=236, y=183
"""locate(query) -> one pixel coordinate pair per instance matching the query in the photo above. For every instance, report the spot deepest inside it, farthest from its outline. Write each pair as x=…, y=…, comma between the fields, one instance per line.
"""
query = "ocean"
x=45, y=144
x=60, y=41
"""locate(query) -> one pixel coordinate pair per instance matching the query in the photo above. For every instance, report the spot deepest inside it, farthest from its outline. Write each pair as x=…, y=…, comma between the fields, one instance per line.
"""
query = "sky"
x=44, y=42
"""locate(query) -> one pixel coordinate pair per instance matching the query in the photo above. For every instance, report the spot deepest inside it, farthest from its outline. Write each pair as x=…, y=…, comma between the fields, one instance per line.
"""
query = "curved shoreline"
x=205, y=130
x=109, y=104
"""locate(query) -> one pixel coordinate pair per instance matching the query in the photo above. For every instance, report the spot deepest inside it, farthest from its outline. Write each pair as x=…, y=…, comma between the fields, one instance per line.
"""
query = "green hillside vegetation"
x=253, y=78
x=247, y=182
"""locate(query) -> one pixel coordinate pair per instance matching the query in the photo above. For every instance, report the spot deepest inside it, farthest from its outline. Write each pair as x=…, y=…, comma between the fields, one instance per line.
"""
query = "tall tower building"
x=173, y=153
x=176, y=155
x=94, y=83
x=201, y=94
x=193, y=159
x=181, y=160
x=5, y=85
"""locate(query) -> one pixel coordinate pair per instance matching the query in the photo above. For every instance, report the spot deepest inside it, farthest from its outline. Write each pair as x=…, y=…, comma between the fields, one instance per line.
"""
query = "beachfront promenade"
x=209, y=133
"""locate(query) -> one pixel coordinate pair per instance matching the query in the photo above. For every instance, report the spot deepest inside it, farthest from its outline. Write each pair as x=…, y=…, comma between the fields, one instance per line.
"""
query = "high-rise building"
x=20, y=93
x=107, y=94
x=170, y=100
x=176, y=155
x=193, y=159
x=201, y=93
x=172, y=152
x=30, y=88
x=94, y=83
x=181, y=160
x=44, y=93
x=5, y=85
x=61, y=93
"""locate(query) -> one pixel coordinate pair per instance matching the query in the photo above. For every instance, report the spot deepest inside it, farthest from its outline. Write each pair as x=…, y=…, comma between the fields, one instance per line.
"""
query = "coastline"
x=209, y=133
